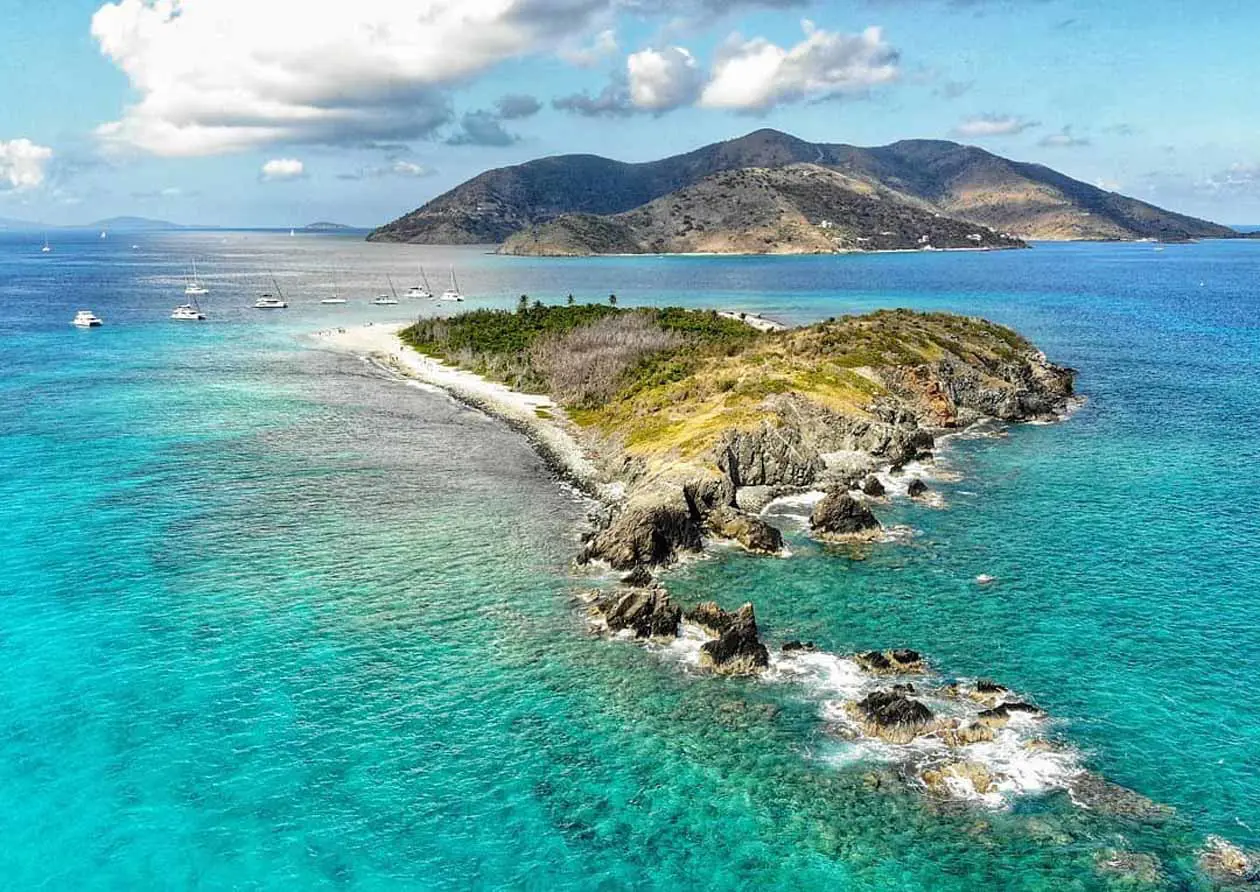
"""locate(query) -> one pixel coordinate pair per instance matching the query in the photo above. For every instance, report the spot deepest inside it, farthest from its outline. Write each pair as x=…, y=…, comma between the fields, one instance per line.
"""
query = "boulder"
x=841, y=515
x=944, y=779
x=639, y=577
x=647, y=533
x=712, y=618
x=794, y=646
x=891, y=662
x=648, y=612
x=751, y=532
x=916, y=488
x=872, y=487
x=965, y=735
x=892, y=716
x=737, y=650
x=874, y=661
x=768, y=456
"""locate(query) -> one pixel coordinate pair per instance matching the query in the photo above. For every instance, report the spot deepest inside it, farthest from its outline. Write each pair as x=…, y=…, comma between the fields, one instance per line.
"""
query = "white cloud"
x=602, y=47
x=23, y=164
x=661, y=80
x=217, y=76
x=992, y=125
x=279, y=169
x=755, y=75
x=398, y=168
x=1064, y=139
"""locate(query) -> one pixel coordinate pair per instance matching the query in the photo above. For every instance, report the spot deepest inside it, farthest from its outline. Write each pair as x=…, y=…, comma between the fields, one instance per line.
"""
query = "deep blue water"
x=270, y=620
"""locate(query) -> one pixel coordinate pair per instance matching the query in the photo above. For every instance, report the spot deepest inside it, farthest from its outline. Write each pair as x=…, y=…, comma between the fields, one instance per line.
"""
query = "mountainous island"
x=769, y=192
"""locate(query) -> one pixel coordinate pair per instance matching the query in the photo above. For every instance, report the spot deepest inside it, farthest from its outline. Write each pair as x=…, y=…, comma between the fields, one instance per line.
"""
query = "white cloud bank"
x=280, y=169
x=980, y=126
x=755, y=75
x=23, y=164
x=747, y=75
x=218, y=76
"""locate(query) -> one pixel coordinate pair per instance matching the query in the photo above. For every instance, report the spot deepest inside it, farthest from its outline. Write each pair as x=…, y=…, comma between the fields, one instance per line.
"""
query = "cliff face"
x=964, y=182
x=799, y=209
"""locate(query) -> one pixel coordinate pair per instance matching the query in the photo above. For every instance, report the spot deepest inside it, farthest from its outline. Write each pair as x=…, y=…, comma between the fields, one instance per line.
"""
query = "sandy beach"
x=536, y=416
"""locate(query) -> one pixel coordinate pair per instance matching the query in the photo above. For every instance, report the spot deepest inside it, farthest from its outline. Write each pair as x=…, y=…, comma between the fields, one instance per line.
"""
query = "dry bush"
x=583, y=367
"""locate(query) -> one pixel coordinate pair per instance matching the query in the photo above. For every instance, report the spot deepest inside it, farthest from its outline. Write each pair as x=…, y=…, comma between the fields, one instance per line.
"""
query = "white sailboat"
x=47, y=249
x=194, y=286
x=86, y=319
x=269, y=301
x=188, y=313
x=103, y=233
x=387, y=300
x=453, y=292
x=421, y=292
x=336, y=296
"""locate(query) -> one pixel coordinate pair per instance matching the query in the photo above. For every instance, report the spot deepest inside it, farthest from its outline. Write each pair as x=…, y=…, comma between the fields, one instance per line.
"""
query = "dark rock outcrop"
x=797, y=646
x=751, y=532
x=639, y=577
x=892, y=716
x=737, y=650
x=768, y=456
x=648, y=612
x=916, y=488
x=891, y=662
x=839, y=514
x=649, y=533
x=872, y=487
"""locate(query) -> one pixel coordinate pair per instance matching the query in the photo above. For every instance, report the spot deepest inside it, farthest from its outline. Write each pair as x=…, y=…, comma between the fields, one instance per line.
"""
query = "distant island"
x=325, y=226
x=769, y=192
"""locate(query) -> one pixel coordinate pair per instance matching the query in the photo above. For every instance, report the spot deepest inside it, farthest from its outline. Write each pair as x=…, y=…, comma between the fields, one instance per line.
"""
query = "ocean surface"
x=272, y=620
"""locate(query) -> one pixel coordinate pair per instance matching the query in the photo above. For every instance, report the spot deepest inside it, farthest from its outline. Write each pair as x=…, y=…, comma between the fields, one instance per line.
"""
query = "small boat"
x=103, y=233
x=86, y=319
x=387, y=300
x=188, y=313
x=421, y=292
x=453, y=292
x=269, y=301
x=47, y=249
x=194, y=286
x=336, y=298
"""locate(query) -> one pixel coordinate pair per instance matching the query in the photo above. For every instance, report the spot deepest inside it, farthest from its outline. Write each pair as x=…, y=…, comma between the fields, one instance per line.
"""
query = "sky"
x=287, y=112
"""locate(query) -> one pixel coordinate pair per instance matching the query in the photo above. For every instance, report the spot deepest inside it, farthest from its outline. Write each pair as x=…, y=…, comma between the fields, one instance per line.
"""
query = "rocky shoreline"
x=956, y=739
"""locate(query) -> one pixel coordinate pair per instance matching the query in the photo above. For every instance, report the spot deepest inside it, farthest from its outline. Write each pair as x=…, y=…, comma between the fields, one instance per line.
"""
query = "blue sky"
x=282, y=112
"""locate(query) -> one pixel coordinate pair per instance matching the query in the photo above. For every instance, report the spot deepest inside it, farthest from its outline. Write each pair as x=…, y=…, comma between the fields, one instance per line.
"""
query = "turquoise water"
x=270, y=620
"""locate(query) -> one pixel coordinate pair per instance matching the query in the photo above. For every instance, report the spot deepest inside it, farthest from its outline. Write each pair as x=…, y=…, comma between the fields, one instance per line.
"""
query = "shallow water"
x=268, y=619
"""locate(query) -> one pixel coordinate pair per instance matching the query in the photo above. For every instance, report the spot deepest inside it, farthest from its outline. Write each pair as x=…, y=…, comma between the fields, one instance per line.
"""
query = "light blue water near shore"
x=270, y=620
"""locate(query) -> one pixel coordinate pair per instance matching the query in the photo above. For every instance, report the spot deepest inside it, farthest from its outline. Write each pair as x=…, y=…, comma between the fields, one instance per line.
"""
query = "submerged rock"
x=916, y=488
x=648, y=612
x=1135, y=867
x=892, y=716
x=737, y=650
x=1226, y=863
x=1104, y=797
x=751, y=532
x=841, y=515
x=945, y=779
x=872, y=487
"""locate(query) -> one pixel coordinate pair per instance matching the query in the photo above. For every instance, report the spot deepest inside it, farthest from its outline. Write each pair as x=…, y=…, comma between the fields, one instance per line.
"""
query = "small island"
x=693, y=420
